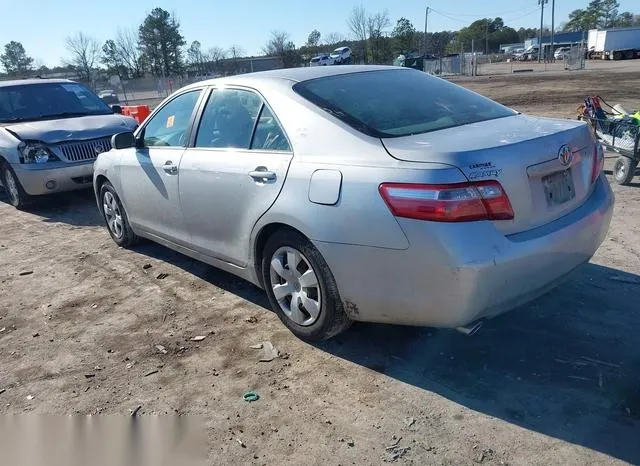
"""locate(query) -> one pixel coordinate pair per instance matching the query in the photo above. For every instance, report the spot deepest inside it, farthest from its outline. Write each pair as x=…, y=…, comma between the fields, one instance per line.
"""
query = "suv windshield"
x=398, y=102
x=48, y=100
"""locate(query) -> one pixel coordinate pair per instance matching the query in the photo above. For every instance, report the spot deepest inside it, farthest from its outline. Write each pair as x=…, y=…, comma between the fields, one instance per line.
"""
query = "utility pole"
x=553, y=27
x=541, y=3
x=426, y=22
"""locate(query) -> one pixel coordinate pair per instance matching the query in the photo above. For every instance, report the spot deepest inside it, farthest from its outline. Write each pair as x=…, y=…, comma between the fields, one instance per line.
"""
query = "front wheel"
x=301, y=288
x=624, y=170
x=18, y=198
x=116, y=217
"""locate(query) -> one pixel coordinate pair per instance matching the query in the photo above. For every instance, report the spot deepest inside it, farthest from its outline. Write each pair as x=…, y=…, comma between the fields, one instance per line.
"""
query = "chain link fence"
x=475, y=64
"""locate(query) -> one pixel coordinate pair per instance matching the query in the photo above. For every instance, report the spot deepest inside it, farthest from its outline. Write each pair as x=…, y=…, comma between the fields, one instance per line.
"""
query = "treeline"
x=158, y=47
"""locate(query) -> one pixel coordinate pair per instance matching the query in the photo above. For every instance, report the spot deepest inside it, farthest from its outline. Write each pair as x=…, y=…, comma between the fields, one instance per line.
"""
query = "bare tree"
x=235, y=52
x=276, y=45
x=84, y=51
x=213, y=57
x=376, y=25
x=127, y=44
x=332, y=38
x=358, y=24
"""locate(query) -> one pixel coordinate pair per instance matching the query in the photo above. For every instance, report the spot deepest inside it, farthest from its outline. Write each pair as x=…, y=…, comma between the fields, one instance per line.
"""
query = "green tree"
x=195, y=57
x=15, y=60
x=161, y=42
x=112, y=59
x=403, y=35
x=598, y=14
x=313, y=41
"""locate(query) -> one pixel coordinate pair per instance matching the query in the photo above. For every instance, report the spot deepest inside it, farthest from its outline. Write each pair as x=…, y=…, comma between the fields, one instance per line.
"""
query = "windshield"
x=315, y=59
x=337, y=52
x=398, y=102
x=48, y=100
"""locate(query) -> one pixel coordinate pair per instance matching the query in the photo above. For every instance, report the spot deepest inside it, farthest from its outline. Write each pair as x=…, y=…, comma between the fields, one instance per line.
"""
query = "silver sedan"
x=375, y=194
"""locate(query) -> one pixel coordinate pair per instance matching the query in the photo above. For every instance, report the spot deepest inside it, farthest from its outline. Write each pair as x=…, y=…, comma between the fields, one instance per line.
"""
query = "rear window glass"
x=397, y=103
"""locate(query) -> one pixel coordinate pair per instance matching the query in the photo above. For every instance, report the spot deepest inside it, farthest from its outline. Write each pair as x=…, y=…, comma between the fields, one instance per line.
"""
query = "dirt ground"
x=555, y=382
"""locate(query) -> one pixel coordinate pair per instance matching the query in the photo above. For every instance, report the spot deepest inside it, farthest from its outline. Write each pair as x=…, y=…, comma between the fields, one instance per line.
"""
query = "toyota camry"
x=361, y=193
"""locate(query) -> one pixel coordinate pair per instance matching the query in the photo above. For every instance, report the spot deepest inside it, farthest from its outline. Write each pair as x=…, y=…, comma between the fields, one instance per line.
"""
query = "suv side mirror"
x=123, y=140
x=117, y=109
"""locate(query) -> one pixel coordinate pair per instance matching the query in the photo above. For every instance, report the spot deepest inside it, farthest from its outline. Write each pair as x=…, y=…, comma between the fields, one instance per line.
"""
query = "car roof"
x=294, y=74
x=27, y=82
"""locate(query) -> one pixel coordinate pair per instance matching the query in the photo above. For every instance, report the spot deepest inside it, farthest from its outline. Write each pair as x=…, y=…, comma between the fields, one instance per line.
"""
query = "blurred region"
x=35, y=440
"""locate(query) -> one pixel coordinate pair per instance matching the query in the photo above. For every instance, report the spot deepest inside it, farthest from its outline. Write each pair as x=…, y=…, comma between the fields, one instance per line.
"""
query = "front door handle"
x=262, y=174
x=170, y=168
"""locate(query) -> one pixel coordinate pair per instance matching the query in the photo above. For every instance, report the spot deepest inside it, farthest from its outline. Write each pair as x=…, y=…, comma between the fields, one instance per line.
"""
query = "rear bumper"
x=37, y=180
x=454, y=274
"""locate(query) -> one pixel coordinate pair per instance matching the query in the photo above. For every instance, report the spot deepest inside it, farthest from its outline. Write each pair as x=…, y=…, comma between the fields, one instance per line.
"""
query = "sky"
x=42, y=25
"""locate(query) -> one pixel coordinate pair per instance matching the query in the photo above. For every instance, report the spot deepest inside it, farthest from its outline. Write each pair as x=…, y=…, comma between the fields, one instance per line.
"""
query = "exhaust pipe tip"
x=470, y=329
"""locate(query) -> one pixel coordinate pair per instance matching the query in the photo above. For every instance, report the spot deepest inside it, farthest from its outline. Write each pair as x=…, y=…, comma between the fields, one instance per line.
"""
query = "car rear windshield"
x=28, y=102
x=393, y=103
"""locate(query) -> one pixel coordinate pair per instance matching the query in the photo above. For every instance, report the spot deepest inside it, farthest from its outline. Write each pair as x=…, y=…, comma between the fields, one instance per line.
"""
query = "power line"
x=463, y=21
x=484, y=15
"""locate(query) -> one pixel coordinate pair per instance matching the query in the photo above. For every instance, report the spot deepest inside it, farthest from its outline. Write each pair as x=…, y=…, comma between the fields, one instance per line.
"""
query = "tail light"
x=598, y=161
x=460, y=202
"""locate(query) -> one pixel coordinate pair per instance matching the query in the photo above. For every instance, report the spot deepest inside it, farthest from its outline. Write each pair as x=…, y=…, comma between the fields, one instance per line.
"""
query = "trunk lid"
x=520, y=152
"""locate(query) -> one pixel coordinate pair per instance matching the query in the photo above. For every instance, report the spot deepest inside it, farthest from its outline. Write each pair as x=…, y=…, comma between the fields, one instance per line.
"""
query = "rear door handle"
x=262, y=174
x=170, y=168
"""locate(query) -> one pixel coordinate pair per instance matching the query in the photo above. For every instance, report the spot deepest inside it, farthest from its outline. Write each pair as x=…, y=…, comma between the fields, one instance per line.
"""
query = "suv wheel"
x=17, y=196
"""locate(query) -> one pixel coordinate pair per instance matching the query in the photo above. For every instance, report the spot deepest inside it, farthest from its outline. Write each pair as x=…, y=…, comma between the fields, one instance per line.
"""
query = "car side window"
x=269, y=134
x=170, y=126
x=228, y=119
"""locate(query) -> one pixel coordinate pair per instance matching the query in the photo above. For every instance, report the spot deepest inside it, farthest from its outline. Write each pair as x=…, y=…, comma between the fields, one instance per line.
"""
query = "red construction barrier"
x=139, y=112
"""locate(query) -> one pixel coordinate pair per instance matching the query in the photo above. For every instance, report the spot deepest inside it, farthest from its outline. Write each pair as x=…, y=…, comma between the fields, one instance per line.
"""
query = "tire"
x=115, y=217
x=624, y=170
x=326, y=316
x=18, y=198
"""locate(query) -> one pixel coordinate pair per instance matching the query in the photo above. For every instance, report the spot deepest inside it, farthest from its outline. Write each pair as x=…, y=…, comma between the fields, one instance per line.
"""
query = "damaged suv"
x=51, y=132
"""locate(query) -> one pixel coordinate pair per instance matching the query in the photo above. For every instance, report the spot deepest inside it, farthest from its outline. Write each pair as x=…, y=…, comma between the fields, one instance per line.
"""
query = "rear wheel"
x=116, y=217
x=17, y=196
x=624, y=170
x=301, y=288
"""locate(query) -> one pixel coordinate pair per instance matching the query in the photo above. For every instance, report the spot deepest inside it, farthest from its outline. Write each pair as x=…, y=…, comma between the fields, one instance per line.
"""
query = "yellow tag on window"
x=170, y=121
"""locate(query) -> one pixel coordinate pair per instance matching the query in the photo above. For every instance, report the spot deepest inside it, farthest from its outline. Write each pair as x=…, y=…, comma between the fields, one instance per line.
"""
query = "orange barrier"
x=139, y=112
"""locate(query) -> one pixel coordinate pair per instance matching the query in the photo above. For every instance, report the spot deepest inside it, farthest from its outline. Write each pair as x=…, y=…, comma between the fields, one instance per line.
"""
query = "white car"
x=341, y=55
x=562, y=53
x=321, y=60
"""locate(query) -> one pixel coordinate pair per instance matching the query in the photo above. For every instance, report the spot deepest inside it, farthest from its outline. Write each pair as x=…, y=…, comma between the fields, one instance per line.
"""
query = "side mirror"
x=117, y=109
x=123, y=140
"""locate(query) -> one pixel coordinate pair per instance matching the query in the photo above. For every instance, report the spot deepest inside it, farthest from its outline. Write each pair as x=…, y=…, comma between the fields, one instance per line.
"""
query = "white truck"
x=614, y=44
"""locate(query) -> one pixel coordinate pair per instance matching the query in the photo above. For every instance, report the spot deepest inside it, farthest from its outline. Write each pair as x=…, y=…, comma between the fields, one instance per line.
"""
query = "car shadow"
x=77, y=208
x=566, y=365
x=217, y=277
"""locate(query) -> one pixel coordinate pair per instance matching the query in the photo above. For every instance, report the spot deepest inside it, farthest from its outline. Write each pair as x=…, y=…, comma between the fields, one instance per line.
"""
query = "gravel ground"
x=555, y=382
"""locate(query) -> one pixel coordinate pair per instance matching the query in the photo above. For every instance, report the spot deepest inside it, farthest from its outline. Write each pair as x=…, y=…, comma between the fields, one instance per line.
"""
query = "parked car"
x=562, y=53
x=531, y=53
x=109, y=96
x=51, y=131
x=321, y=60
x=346, y=201
x=341, y=55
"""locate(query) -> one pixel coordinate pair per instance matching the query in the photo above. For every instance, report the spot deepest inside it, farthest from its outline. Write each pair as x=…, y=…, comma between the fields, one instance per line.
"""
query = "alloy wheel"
x=12, y=186
x=295, y=286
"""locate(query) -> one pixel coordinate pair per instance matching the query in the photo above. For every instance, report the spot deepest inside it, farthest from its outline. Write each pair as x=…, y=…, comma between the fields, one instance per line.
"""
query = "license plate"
x=558, y=187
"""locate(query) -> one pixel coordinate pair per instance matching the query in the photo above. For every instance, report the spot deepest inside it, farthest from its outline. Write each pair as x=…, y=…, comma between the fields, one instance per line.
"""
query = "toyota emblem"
x=98, y=149
x=565, y=155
